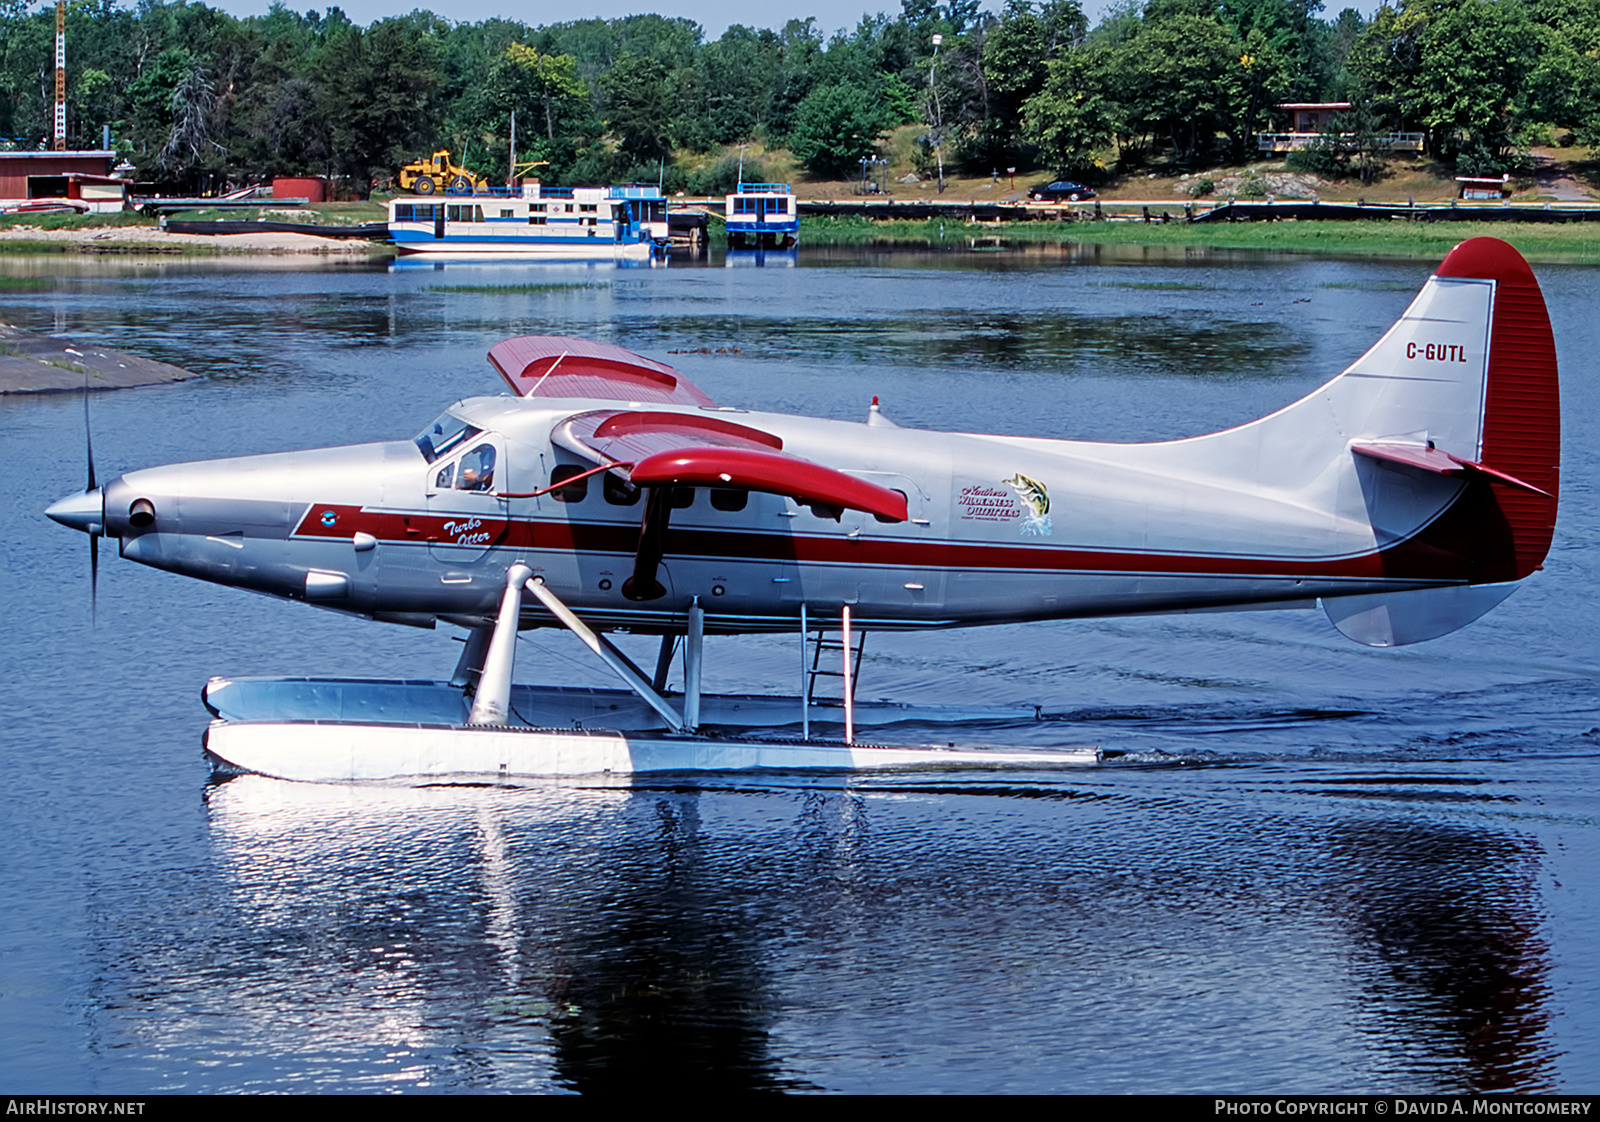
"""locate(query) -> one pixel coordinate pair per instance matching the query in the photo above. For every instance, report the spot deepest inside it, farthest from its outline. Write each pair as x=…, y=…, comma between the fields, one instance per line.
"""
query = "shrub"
x=1317, y=159
x=721, y=177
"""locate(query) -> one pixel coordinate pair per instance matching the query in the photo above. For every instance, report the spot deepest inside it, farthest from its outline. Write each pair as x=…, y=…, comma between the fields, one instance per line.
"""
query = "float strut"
x=805, y=680
x=470, y=664
x=492, y=703
x=694, y=644
x=609, y=654
x=849, y=688
x=669, y=646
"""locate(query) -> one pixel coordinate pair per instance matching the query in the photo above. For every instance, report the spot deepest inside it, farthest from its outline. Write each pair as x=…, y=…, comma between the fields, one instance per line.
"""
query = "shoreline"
x=1572, y=244
x=23, y=239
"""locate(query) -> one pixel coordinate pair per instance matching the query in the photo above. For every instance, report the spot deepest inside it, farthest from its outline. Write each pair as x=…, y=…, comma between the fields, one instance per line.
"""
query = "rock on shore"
x=33, y=363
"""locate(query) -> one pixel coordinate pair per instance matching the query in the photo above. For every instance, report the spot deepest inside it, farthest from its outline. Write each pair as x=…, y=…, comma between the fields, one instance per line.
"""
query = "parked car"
x=1059, y=190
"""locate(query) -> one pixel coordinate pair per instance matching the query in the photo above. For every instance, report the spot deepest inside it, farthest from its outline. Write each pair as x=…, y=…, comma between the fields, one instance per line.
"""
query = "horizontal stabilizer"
x=1427, y=458
x=1394, y=619
x=562, y=366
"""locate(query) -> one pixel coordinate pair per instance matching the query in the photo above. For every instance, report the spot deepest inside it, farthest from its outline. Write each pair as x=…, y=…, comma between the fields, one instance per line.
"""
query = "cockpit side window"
x=477, y=469
x=444, y=436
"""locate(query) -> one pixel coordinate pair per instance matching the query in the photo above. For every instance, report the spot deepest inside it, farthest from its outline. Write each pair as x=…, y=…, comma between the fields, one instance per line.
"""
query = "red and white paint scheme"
x=1408, y=496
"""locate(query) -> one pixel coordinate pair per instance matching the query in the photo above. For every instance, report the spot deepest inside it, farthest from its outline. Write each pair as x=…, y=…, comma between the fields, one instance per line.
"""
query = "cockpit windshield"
x=444, y=436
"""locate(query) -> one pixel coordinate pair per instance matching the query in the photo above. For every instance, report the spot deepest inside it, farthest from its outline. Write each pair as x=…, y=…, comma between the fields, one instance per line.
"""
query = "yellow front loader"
x=425, y=177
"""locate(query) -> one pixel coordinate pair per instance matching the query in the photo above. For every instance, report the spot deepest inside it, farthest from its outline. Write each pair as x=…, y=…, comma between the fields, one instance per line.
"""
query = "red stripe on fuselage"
x=1435, y=555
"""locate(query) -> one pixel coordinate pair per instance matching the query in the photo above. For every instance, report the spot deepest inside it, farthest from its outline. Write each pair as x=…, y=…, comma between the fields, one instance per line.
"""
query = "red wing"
x=691, y=449
x=561, y=366
x=776, y=472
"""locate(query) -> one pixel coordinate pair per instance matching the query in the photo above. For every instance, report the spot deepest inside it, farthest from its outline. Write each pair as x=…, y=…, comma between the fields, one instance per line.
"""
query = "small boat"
x=762, y=216
x=574, y=223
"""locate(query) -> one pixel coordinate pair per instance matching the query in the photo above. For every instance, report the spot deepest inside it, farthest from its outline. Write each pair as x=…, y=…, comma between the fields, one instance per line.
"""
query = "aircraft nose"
x=84, y=511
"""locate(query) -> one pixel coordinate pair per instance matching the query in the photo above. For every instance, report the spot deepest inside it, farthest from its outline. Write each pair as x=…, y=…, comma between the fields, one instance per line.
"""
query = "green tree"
x=1017, y=53
x=377, y=89
x=1069, y=117
x=547, y=83
x=1462, y=69
x=836, y=127
x=1175, y=79
x=1263, y=78
x=738, y=73
x=639, y=107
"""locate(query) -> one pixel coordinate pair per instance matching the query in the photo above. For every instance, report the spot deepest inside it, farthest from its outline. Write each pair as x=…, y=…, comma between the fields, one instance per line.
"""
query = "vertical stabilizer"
x=1500, y=527
x=1522, y=402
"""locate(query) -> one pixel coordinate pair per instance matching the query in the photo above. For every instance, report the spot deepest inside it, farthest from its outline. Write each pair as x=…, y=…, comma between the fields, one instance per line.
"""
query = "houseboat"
x=576, y=223
x=762, y=216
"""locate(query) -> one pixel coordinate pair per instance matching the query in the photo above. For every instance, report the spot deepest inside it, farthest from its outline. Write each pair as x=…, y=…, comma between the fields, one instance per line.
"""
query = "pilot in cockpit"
x=477, y=470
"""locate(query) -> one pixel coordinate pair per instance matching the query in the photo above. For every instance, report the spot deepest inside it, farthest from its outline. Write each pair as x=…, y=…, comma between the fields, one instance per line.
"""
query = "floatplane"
x=1407, y=496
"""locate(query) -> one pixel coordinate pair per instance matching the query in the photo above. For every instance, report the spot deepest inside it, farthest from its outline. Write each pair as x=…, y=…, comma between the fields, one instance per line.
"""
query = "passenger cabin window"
x=619, y=492
x=726, y=498
x=682, y=498
x=573, y=492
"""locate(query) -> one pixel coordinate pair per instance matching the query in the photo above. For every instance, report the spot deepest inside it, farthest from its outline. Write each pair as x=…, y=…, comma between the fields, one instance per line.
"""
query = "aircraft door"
x=894, y=570
x=466, y=516
x=886, y=573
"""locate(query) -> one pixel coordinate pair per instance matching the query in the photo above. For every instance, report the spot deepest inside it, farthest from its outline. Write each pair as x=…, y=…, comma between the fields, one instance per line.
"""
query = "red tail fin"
x=1522, y=407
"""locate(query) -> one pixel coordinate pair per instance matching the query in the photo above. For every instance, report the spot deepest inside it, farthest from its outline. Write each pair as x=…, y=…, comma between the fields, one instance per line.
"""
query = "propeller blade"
x=88, y=437
x=94, y=537
x=94, y=579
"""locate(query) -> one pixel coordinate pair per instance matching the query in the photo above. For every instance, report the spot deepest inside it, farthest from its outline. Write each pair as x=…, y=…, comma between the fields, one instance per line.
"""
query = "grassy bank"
x=1573, y=243
x=63, y=220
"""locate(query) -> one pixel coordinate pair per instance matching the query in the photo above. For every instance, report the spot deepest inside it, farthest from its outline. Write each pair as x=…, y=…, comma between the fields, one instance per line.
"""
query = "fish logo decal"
x=1036, y=498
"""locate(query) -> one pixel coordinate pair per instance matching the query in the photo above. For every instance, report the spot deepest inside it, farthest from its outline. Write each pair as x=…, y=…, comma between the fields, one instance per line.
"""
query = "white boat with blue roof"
x=762, y=216
x=578, y=223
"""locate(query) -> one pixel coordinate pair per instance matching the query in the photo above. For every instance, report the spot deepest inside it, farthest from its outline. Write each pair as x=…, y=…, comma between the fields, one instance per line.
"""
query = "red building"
x=82, y=176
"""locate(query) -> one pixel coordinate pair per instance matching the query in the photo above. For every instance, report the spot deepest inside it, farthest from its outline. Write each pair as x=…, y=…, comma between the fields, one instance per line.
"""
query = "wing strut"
x=643, y=585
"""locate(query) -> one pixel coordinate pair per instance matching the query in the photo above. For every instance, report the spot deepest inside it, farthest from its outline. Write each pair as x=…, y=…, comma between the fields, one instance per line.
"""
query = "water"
x=1316, y=867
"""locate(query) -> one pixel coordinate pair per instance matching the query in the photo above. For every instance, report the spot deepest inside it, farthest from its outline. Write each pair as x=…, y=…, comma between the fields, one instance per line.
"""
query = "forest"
x=197, y=98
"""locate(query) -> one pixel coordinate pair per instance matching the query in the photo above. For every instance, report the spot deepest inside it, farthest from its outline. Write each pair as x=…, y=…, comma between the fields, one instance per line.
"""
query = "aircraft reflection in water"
x=790, y=937
x=1408, y=496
